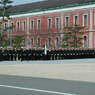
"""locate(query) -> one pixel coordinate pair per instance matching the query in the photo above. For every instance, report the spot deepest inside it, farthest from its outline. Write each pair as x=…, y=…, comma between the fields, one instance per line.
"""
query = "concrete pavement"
x=78, y=70
x=15, y=85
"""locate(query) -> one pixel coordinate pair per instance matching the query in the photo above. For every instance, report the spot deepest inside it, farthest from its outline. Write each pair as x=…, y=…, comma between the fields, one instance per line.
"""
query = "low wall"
x=70, y=71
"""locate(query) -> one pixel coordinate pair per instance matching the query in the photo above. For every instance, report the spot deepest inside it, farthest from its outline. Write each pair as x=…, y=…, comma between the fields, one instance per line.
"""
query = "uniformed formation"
x=33, y=54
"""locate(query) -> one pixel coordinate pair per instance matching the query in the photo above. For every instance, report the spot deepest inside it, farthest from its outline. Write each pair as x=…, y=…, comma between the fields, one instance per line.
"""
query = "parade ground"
x=59, y=77
x=14, y=85
x=76, y=69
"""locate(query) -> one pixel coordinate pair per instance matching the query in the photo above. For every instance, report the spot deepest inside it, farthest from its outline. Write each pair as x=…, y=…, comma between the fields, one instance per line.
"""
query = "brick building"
x=43, y=22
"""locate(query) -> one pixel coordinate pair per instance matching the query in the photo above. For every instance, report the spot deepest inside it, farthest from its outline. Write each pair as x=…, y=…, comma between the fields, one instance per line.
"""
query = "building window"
x=23, y=26
x=11, y=26
x=39, y=25
x=49, y=42
x=32, y=42
x=23, y=43
x=76, y=20
x=85, y=20
x=49, y=23
x=5, y=26
x=58, y=22
x=67, y=20
x=17, y=26
x=85, y=42
x=57, y=42
x=31, y=25
x=38, y=42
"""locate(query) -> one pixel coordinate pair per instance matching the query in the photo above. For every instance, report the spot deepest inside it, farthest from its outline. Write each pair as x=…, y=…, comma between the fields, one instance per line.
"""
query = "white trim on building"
x=85, y=23
x=85, y=41
x=38, y=24
x=67, y=20
x=58, y=22
x=49, y=23
x=31, y=25
x=76, y=22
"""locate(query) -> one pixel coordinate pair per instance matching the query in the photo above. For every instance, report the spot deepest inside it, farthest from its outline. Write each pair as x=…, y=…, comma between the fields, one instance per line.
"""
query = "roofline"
x=54, y=10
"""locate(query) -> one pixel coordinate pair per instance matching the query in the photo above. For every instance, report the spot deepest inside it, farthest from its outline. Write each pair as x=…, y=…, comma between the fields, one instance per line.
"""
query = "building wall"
x=44, y=34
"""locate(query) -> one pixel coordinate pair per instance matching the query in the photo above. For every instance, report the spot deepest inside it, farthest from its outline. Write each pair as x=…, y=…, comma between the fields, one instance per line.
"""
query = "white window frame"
x=49, y=42
x=57, y=42
x=32, y=44
x=87, y=19
x=38, y=25
x=48, y=23
x=5, y=25
x=38, y=41
x=87, y=41
x=24, y=28
x=31, y=25
x=74, y=19
x=17, y=27
x=12, y=25
x=59, y=23
x=68, y=20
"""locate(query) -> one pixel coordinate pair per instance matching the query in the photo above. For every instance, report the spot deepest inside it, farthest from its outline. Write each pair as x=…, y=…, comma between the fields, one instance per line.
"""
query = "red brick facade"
x=52, y=29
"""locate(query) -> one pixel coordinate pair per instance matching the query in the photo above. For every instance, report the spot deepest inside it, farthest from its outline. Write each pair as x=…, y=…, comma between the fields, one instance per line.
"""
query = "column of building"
x=90, y=30
x=28, y=42
x=62, y=27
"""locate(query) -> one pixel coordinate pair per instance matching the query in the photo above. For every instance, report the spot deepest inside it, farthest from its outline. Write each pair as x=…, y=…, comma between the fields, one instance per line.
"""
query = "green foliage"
x=17, y=41
x=72, y=36
x=3, y=39
x=5, y=43
x=5, y=16
x=4, y=6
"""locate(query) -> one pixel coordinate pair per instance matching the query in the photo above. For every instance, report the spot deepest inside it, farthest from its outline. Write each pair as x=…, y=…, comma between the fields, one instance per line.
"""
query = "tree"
x=3, y=39
x=4, y=12
x=18, y=41
x=5, y=17
x=72, y=36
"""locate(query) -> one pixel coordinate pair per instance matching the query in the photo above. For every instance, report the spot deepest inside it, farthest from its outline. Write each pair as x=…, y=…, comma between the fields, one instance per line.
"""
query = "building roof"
x=48, y=4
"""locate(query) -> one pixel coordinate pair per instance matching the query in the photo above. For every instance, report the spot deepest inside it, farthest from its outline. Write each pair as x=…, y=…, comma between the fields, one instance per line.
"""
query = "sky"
x=17, y=2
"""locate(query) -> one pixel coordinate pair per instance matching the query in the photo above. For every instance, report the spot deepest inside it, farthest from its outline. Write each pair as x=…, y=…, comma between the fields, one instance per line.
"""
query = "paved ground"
x=14, y=85
x=65, y=61
x=78, y=69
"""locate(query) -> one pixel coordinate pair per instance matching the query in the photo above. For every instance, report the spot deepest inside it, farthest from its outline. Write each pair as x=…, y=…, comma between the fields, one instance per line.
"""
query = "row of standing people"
x=29, y=54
